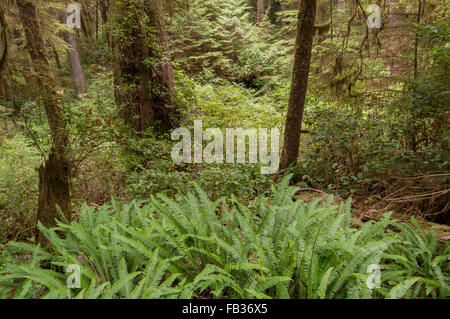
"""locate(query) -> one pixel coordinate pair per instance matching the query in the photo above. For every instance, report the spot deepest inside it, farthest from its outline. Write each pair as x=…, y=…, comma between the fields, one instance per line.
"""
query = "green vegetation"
x=195, y=247
x=369, y=189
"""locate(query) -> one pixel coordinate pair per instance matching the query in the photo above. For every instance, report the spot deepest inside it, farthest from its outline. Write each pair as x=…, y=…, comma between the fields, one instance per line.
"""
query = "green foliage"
x=420, y=268
x=231, y=105
x=195, y=247
x=97, y=53
x=354, y=149
x=148, y=165
x=19, y=161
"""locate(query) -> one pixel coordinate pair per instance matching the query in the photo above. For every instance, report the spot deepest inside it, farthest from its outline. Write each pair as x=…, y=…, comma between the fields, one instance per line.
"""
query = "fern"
x=194, y=247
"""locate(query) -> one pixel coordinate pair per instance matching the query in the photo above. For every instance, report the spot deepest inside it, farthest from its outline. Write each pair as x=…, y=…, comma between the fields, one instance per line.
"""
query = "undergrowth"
x=198, y=248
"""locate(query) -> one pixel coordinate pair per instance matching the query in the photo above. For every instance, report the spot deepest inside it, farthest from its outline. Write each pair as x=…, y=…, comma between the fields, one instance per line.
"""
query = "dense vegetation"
x=196, y=247
x=87, y=178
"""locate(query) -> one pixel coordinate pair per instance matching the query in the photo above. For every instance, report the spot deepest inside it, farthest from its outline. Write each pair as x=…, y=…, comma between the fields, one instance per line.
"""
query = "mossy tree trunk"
x=143, y=74
x=3, y=53
x=260, y=11
x=284, y=8
x=54, y=183
x=299, y=85
x=104, y=8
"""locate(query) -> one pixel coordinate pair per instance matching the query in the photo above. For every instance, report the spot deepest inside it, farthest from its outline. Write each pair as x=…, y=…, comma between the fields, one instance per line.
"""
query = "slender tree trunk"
x=166, y=76
x=57, y=60
x=282, y=19
x=104, y=8
x=144, y=93
x=86, y=18
x=58, y=65
x=3, y=53
x=416, y=42
x=260, y=11
x=2, y=88
x=54, y=184
x=396, y=19
x=73, y=57
x=96, y=19
x=302, y=61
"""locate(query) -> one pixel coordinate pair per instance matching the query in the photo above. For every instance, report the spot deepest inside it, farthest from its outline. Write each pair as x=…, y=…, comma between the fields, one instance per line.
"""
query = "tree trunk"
x=417, y=40
x=96, y=19
x=396, y=19
x=260, y=11
x=302, y=61
x=86, y=18
x=3, y=53
x=73, y=57
x=144, y=93
x=54, y=184
x=2, y=88
x=165, y=74
x=104, y=8
x=283, y=9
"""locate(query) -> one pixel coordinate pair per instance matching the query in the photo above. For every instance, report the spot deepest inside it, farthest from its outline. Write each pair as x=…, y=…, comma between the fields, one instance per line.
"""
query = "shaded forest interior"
x=92, y=91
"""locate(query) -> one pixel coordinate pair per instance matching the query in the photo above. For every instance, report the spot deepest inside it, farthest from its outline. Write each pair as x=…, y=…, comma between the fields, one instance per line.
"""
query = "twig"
x=33, y=137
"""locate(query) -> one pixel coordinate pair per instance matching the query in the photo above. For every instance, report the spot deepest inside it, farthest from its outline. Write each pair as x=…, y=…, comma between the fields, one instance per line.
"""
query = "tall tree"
x=260, y=11
x=54, y=183
x=397, y=36
x=417, y=40
x=3, y=52
x=144, y=79
x=73, y=58
x=284, y=8
x=299, y=85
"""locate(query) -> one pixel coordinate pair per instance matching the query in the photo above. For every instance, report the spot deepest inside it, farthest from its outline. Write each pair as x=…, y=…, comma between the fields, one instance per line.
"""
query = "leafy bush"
x=19, y=162
x=358, y=151
x=232, y=105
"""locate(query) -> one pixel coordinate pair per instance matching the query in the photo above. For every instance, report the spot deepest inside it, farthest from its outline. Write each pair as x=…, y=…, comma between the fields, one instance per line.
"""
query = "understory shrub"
x=195, y=247
x=19, y=163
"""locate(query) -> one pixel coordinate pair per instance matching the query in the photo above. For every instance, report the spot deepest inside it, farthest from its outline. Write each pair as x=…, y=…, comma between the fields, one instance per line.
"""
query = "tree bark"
x=86, y=18
x=417, y=40
x=96, y=19
x=396, y=19
x=54, y=184
x=299, y=85
x=260, y=11
x=165, y=74
x=73, y=57
x=3, y=52
x=144, y=93
x=104, y=8
x=282, y=18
